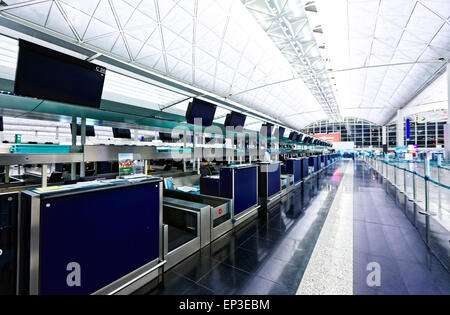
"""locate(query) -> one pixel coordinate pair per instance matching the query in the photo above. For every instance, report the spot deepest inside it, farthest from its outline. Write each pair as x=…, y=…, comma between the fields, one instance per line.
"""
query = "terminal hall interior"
x=232, y=147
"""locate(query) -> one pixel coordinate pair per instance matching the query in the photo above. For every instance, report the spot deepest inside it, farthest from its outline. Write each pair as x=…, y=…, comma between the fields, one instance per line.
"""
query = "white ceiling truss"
x=214, y=45
x=287, y=25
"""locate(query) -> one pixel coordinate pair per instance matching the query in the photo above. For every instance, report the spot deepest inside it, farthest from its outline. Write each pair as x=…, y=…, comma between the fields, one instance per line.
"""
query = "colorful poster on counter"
x=125, y=164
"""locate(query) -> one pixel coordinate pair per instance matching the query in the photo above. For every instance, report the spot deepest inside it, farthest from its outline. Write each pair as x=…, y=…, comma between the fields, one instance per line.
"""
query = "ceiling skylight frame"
x=287, y=25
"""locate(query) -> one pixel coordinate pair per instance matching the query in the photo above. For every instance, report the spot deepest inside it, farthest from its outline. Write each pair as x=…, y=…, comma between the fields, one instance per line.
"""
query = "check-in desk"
x=299, y=168
x=192, y=221
x=96, y=238
x=238, y=183
x=269, y=182
x=9, y=203
x=294, y=167
x=314, y=162
x=305, y=168
x=326, y=160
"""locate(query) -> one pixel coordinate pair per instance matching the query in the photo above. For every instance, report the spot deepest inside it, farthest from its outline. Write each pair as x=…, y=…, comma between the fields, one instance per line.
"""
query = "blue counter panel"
x=210, y=186
x=305, y=166
x=226, y=182
x=245, y=189
x=274, y=181
x=293, y=166
x=316, y=163
x=109, y=233
x=8, y=242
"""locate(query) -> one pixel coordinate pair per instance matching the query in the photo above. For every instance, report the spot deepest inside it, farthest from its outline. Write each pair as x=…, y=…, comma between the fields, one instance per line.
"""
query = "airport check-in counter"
x=299, y=168
x=305, y=168
x=269, y=182
x=326, y=160
x=238, y=183
x=192, y=221
x=314, y=163
x=97, y=238
x=294, y=167
x=9, y=203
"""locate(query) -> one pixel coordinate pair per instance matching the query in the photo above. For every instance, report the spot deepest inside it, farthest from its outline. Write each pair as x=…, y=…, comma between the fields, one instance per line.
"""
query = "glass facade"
x=365, y=134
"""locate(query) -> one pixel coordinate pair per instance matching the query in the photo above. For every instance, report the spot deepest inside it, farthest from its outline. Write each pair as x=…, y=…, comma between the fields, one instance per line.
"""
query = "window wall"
x=365, y=134
x=362, y=132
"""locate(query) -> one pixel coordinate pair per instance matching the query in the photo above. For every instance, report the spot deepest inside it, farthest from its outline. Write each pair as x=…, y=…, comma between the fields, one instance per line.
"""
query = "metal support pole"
x=395, y=176
x=404, y=181
x=427, y=209
x=240, y=155
x=184, y=148
x=83, y=142
x=194, y=144
x=73, y=168
x=44, y=175
x=145, y=167
x=6, y=174
x=439, y=188
x=414, y=197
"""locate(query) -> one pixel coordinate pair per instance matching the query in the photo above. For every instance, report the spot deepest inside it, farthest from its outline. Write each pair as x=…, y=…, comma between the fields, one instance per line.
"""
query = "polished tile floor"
x=384, y=234
x=269, y=255
x=266, y=256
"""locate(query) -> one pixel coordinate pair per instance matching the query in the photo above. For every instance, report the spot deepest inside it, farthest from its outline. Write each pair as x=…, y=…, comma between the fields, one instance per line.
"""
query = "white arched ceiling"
x=215, y=45
x=433, y=97
x=413, y=37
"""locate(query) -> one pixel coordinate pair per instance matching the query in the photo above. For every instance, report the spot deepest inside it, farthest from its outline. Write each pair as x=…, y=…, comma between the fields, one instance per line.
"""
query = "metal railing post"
x=439, y=188
x=427, y=215
x=414, y=197
x=404, y=182
x=427, y=173
x=395, y=176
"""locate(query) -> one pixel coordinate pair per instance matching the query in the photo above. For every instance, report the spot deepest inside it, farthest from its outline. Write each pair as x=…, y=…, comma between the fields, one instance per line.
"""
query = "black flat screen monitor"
x=235, y=120
x=299, y=137
x=122, y=133
x=167, y=136
x=293, y=136
x=50, y=75
x=281, y=132
x=199, y=109
x=90, y=131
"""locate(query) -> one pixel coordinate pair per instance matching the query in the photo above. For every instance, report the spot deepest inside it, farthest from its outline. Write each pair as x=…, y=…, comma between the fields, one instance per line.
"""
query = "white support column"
x=384, y=135
x=44, y=175
x=400, y=129
x=447, y=125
